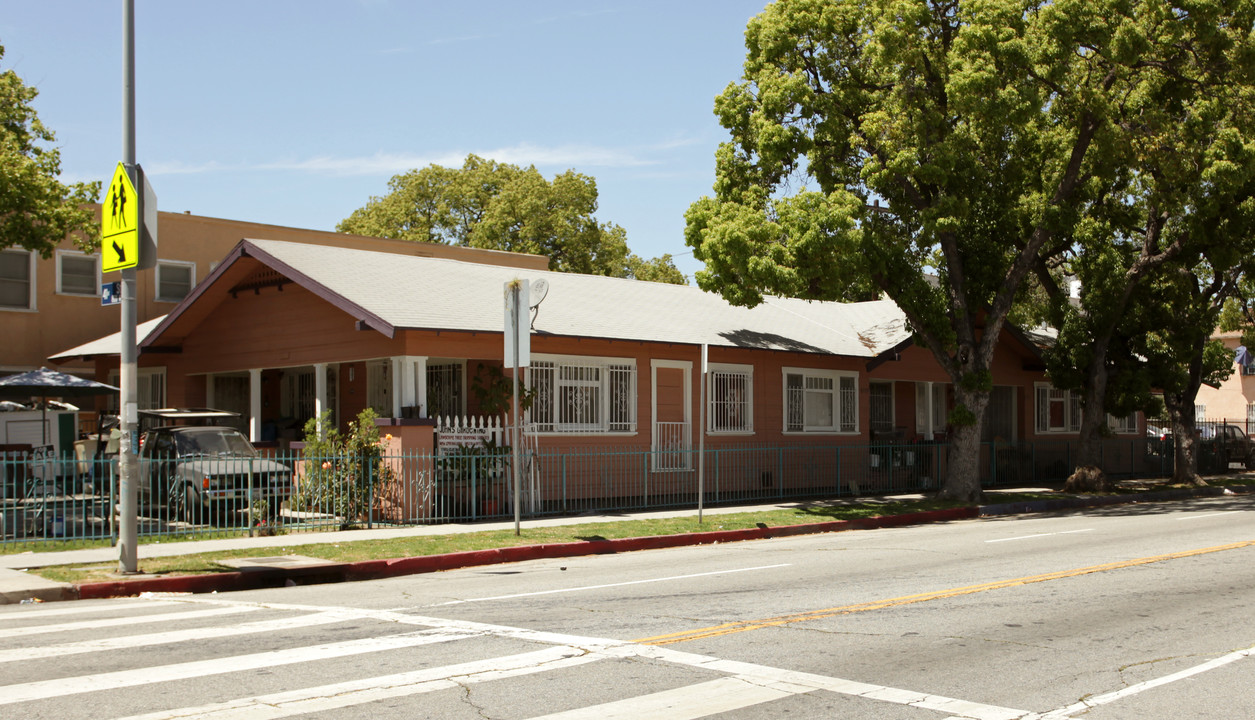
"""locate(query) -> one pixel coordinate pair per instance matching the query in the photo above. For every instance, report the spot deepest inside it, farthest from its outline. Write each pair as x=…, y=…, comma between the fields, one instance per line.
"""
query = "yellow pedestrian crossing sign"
x=119, y=224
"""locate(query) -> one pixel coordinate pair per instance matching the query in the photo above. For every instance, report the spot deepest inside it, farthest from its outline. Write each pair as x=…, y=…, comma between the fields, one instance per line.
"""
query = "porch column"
x=320, y=395
x=209, y=392
x=420, y=386
x=929, y=406
x=254, y=404
x=398, y=384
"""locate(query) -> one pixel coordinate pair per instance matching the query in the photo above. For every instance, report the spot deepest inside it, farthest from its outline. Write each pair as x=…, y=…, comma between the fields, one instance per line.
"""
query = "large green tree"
x=985, y=126
x=1180, y=207
x=37, y=211
x=500, y=206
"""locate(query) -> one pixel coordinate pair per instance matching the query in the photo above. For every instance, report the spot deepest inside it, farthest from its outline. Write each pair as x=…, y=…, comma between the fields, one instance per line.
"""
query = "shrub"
x=342, y=471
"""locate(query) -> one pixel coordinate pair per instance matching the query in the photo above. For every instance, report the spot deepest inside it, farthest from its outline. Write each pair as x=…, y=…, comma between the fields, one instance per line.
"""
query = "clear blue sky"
x=296, y=112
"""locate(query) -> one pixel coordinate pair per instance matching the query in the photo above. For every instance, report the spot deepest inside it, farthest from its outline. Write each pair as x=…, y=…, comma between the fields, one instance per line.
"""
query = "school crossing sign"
x=127, y=222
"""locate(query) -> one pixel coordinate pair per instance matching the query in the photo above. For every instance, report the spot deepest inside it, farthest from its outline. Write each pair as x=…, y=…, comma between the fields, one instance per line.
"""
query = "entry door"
x=672, y=409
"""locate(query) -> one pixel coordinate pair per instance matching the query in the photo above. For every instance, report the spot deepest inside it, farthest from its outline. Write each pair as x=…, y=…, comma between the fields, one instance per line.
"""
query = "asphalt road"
x=1136, y=611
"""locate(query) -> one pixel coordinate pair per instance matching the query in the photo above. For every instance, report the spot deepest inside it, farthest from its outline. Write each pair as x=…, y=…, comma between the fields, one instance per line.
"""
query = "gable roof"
x=389, y=293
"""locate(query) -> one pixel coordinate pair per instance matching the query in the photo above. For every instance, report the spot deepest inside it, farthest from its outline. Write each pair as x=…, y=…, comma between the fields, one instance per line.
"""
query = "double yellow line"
x=736, y=627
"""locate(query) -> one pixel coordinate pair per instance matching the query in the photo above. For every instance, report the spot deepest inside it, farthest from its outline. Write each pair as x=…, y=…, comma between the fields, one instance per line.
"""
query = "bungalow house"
x=628, y=378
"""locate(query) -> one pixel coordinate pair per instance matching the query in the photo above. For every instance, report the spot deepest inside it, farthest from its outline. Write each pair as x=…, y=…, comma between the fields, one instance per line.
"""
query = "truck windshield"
x=224, y=441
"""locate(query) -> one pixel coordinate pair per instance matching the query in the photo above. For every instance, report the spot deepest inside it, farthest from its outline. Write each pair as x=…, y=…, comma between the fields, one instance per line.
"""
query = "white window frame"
x=843, y=396
x=30, y=275
x=614, y=376
x=191, y=266
x=62, y=255
x=150, y=389
x=1044, y=396
x=744, y=406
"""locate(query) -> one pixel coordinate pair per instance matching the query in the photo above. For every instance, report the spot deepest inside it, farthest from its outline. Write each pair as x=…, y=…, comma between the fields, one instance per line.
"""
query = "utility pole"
x=128, y=462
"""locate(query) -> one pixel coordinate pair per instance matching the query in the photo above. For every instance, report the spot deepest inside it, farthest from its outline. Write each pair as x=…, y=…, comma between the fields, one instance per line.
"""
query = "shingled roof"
x=391, y=292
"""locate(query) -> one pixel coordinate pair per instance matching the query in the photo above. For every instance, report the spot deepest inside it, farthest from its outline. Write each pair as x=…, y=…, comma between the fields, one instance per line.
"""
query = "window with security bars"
x=820, y=401
x=1060, y=411
x=731, y=392
x=445, y=396
x=583, y=396
x=880, y=395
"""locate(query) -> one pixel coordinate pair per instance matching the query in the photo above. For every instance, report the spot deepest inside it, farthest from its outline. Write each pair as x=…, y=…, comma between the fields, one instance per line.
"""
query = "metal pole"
x=514, y=411
x=128, y=465
x=701, y=435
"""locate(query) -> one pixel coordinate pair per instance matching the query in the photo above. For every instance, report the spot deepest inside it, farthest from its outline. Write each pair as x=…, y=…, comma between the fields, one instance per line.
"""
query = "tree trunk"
x=1185, y=444
x=1088, y=476
x=962, y=481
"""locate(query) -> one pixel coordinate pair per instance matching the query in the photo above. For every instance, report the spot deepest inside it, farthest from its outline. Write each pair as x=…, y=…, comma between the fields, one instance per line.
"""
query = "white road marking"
x=123, y=621
x=171, y=636
x=1040, y=535
x=686, y=703
x=1090, y=703
x=609, y=585
x=26, y=612
x=1209, y=515
x=358, y=692
x=43, y=689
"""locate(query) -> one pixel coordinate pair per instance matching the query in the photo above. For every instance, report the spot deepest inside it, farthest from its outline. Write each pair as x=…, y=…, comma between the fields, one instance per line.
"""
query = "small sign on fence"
x=453, y=434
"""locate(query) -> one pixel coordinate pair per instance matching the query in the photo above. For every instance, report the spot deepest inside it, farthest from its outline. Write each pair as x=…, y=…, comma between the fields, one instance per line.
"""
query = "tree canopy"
x=878, y=144
x=500, y=206
x=37, y=211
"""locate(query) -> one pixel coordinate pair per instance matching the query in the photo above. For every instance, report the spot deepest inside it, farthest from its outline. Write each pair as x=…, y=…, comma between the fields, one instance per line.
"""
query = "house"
x=48, y=305
x=282, y=331
x=1234, y=400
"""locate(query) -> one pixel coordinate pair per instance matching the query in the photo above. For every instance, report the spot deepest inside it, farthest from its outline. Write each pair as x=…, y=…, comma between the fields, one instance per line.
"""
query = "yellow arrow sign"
x=119, y=224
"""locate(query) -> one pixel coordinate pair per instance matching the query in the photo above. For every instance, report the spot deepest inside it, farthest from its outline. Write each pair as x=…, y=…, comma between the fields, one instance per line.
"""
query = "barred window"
x=583, y=395
x=1060, y=411
x=820, y=401
x=731, y=405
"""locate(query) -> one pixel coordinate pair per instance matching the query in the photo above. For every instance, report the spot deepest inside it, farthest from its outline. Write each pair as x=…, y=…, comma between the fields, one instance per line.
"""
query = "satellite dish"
x=540, y=288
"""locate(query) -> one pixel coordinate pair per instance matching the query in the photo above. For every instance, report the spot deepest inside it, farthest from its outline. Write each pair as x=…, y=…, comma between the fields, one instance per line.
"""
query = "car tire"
x=191, y=510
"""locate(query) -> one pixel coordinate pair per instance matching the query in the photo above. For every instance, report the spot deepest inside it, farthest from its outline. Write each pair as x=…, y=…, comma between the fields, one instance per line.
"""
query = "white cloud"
x=558, y=158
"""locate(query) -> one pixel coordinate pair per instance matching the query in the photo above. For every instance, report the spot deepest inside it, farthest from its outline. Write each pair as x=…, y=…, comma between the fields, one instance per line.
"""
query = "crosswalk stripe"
x=693, y=701
x=763, y=674
x=171, y=636
x=358, y=692
x=43, y=689
x=124, y=621
x=80, y=608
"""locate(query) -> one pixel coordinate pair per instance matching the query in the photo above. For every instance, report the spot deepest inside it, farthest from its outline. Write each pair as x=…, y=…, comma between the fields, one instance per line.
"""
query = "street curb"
x=1039, y=506
x=256, y=579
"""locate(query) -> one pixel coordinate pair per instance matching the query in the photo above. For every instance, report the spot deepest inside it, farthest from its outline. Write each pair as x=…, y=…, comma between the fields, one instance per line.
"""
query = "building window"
x=880, y=395
x=150, y=389
x=446, y=390
x=1126, y=425
x=1057, y=410
x=1060, y=411
x=820, y=401
x=174, y=280
x=583, y=395
x=731, y=406
x=17, y=280
x=78, y=274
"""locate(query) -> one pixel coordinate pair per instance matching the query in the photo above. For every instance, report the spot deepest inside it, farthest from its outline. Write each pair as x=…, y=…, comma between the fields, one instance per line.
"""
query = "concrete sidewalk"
x=17, y=585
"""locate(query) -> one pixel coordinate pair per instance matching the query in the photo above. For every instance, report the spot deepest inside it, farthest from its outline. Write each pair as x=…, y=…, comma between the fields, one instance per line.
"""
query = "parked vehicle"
x=1219, y=443
x=200, y=473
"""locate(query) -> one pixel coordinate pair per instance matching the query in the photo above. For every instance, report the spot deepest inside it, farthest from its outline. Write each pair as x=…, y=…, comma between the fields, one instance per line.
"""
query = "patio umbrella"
x=44, y=383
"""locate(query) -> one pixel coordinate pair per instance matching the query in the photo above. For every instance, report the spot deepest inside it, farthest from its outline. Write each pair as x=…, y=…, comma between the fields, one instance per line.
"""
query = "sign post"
x=518, y=350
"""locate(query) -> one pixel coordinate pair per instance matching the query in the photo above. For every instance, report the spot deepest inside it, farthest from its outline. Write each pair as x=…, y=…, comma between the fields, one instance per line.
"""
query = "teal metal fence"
x=56, y=500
